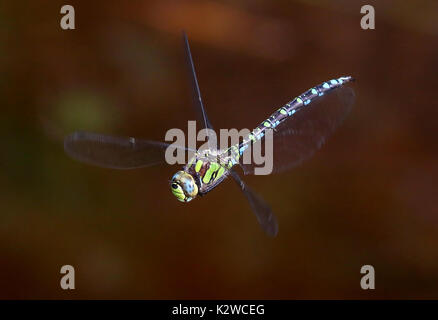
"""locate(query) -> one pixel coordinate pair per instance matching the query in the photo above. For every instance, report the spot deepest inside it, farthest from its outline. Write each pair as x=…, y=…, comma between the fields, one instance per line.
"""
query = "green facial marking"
x=178, y=193
x=252, y=138
x=266, y=124
x=198, y=165
x=299, y=100
x=282, y=111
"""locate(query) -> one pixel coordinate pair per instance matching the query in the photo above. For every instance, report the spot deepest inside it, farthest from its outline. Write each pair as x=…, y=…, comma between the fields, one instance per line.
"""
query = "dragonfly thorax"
x=183, y=186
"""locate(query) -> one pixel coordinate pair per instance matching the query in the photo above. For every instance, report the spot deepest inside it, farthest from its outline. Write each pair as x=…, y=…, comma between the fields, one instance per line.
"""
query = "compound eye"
x=174, y=185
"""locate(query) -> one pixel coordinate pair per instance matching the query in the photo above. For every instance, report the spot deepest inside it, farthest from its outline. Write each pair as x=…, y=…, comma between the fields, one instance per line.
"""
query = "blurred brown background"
x=367, y=197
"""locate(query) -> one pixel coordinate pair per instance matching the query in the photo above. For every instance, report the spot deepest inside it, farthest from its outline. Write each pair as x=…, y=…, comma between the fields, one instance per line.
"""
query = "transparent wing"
x=114, y=152
x=197, y=99
x=299, y=136
x=263, y=212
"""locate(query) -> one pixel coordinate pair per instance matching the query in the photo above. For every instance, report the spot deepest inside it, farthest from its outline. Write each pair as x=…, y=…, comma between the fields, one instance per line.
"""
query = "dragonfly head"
x=183, y=186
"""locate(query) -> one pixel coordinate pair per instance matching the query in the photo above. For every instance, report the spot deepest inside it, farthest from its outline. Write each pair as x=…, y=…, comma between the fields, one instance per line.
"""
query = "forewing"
x=197, y=98
x=114, y=152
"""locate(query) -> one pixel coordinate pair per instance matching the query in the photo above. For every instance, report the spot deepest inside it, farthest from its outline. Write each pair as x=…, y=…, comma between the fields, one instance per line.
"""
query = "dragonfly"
x=300, y=127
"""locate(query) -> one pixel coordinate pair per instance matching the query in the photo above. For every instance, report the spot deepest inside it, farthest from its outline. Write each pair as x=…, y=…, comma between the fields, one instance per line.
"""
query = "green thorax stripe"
x=208, y=171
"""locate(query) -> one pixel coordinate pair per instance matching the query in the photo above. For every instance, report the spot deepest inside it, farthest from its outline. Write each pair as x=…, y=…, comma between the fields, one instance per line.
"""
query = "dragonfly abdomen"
x=290, y=108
